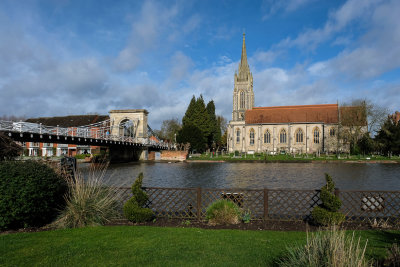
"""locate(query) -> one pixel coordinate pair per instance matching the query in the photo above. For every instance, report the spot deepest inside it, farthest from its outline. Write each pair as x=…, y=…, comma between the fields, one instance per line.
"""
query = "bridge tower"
x=129, y=123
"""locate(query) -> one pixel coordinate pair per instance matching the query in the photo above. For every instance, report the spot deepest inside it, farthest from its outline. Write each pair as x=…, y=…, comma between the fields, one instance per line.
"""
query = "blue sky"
x=79, y=57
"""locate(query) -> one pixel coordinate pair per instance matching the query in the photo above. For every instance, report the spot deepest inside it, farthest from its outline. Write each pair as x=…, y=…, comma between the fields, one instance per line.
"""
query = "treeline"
x=201, y=127
x=385, y=142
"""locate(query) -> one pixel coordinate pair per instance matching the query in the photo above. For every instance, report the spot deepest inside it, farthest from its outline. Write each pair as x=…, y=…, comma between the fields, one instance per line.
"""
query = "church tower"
x=243, y=96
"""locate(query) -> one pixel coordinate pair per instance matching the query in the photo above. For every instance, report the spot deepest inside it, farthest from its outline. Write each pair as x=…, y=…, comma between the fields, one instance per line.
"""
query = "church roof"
x=327, y=113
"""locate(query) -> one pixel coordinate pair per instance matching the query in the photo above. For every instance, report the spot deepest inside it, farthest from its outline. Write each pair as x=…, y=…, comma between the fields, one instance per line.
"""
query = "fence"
x=269, y=204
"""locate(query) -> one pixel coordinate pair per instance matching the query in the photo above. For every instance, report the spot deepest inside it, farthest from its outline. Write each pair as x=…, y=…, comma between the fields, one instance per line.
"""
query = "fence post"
x=265, y=203
x=198, y=203
x=336, y=192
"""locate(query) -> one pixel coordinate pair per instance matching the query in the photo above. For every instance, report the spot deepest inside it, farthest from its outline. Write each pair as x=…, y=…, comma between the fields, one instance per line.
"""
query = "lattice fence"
x=269, y=204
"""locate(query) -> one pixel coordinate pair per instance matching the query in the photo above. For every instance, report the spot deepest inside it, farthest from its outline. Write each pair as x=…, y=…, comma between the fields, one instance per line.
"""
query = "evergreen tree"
x=189, y=114
x=388, y=137
x=215, y=135
x=191, y=134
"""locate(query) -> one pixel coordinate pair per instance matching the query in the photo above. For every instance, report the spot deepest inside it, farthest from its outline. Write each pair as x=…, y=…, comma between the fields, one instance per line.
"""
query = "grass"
x=157, y=246
x=287, y=157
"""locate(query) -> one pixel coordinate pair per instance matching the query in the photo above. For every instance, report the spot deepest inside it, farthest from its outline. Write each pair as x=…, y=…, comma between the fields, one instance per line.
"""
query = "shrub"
x=89, y=201
x=328, y=212
x=31, y=194
x=81, y=156
x=133, y=208
x=330, y=248
x=223, y=212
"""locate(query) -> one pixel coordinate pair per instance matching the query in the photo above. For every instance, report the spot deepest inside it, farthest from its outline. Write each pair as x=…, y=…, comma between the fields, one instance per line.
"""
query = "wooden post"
x=199, y=203
x=336, y=192
x=265, y=203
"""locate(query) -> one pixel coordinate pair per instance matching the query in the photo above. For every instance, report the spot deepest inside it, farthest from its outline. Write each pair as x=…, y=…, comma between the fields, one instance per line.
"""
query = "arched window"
x=238, y=136
x=316, y=135
x=299, y=136
x=282, y=136
x=267, y=137
x=332, y=132
x=242, y=100
x=251, y=136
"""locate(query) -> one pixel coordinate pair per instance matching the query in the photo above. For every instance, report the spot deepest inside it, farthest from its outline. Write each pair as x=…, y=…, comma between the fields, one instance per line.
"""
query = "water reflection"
x=348, y=176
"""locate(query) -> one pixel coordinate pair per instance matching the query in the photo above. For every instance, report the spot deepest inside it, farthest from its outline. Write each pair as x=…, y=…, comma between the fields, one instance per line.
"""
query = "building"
x=71, y=122
x=293, y=129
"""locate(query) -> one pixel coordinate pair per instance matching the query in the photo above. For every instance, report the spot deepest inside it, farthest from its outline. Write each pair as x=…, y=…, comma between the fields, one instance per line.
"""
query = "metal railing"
x=270, y=204
x=99, y=130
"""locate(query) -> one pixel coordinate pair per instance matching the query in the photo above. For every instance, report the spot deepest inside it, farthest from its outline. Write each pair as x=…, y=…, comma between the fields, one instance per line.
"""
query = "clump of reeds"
x=328, y=248
x=89, y=201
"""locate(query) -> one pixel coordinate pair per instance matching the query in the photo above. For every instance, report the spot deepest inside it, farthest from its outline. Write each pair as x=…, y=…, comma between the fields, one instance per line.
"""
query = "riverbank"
x=261, y=158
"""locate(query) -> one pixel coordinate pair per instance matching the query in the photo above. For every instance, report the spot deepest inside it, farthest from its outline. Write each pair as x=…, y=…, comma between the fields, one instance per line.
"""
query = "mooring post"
x=265, y=203
x=198, y=203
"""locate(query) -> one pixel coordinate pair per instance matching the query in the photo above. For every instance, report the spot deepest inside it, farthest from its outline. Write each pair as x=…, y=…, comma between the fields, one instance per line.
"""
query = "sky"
x=85, y=57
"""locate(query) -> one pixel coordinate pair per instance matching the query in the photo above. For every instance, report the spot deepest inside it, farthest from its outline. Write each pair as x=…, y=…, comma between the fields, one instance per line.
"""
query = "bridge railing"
x=95, y=131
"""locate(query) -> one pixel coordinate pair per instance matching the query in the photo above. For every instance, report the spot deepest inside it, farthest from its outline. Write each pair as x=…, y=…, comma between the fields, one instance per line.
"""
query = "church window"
x=282, y=136
x=332, y=132
x=251, y=136
x=242, y=100
x=299, y=136
x=237, y=136
x=316, y=135
x=267, y=137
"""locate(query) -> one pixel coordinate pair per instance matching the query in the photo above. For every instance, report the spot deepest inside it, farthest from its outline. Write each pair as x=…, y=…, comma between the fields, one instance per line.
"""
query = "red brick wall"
x=174, y=155
x=152, y=155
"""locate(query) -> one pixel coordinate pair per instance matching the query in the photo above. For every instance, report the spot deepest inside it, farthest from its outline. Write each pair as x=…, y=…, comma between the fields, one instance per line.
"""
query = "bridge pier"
x=125, y=154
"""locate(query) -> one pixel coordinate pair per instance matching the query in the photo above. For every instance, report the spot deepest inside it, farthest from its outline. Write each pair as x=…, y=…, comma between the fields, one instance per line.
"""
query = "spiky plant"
x=89, y=201
x=327, y=248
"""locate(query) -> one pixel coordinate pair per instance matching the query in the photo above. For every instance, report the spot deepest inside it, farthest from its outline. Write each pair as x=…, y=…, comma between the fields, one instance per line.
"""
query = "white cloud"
x=273, y=6
x=352, y=10
x=151, y=26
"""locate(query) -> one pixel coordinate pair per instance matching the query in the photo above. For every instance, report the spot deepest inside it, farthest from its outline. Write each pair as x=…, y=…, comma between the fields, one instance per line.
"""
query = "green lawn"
x=156, y=246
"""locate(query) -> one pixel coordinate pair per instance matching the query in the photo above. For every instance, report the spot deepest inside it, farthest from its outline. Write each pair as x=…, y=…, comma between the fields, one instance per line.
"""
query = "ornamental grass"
x=89, y=201
x=327, y=248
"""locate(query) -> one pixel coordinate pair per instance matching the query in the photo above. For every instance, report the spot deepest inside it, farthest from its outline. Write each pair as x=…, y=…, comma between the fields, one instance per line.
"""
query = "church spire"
x=244, y=70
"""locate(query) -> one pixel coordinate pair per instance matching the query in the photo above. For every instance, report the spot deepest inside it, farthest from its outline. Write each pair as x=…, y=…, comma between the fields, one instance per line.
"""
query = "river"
x=347, y=176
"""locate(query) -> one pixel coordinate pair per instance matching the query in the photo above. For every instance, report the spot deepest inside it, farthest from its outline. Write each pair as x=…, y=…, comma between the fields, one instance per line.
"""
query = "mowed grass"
x=158, y=246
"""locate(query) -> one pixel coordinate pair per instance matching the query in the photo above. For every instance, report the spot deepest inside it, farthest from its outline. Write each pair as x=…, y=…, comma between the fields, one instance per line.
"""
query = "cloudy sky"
x=78, y=57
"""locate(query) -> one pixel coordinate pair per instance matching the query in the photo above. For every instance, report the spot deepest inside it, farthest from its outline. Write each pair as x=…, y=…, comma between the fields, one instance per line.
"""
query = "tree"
x=192, y=134
x=222, y=126
x=388, y=137
x=8, y=148
x=215, y=134
x=197, y=118
x=353, y=124
x=169, y=129
x=366, y=144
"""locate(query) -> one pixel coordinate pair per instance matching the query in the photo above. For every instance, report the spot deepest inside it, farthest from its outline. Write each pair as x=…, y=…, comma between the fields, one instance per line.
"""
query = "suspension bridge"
x=125, y=133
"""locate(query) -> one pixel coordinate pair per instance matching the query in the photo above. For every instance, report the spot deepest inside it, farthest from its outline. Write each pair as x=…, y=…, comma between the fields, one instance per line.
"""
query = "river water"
x=347, y=176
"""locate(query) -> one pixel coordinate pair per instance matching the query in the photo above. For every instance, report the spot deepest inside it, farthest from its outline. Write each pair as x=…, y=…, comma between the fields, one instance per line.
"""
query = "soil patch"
x=252, y=225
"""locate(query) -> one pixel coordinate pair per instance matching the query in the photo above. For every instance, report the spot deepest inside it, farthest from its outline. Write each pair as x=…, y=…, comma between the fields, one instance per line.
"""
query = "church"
x=288, y=129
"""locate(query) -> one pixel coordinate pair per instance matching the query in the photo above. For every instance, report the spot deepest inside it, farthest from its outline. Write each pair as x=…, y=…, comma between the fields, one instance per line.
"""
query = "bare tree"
x=12, y=118
x=8, y=148
x=375, y=114
x=169, y=129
